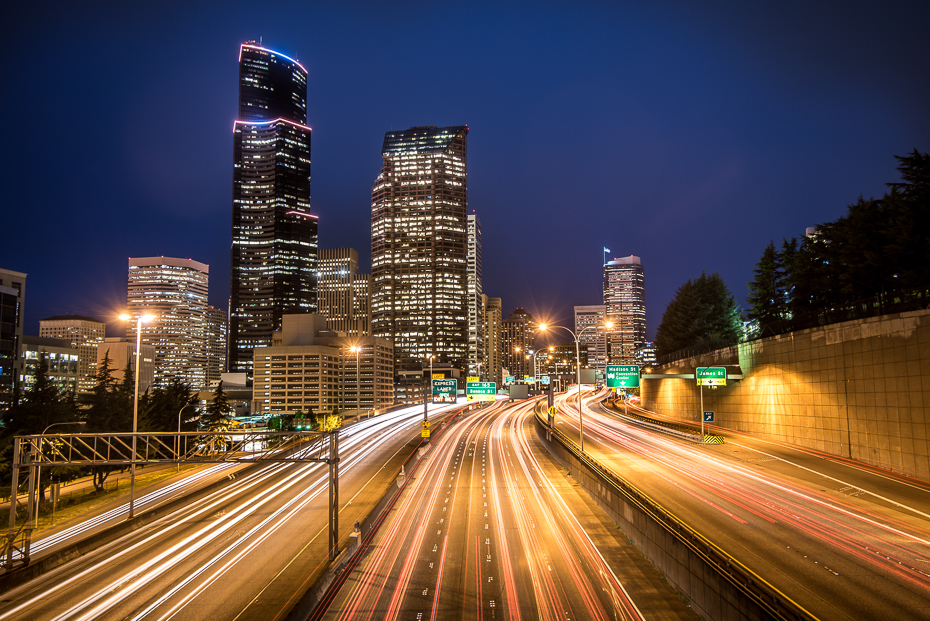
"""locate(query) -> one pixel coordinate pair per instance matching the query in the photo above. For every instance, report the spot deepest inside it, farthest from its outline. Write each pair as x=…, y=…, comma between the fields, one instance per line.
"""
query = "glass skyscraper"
x=419, y=248
x=274, y=235
x=625, y=302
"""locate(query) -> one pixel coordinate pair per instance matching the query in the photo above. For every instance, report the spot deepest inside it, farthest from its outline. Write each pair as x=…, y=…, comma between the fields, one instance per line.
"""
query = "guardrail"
x=769, y=599
x=673, y=429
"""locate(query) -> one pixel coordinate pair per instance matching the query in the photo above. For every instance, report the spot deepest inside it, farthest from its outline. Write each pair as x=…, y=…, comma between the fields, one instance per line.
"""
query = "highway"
x=843, y=540
x=486, y=529
x=240, y=552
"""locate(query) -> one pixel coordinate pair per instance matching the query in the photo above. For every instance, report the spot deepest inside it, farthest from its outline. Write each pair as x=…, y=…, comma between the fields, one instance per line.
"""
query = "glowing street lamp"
x=135, y=404
x=544, y=327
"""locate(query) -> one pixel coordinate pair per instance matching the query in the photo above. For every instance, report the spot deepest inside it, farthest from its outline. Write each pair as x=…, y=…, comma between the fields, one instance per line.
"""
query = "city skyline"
x=689, y=137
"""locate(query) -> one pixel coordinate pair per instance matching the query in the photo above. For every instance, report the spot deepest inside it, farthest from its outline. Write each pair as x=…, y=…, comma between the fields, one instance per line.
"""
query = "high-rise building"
x=83, y=334
x=274, y=235
x=517, y=337
x=175, y=292
x=419, y=250
x=342, y=293
x=476, y=336
x=12, y=305
x=595, y=336
x=491, y=371
x=215, y=334
x=625, y=300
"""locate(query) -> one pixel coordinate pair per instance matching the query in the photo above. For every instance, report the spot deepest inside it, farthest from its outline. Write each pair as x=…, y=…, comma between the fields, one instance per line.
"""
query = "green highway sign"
x=544, y=380
x=509, y=379
x=480, y=391
x=622, y=376
x=711, y=376
x=444, y=390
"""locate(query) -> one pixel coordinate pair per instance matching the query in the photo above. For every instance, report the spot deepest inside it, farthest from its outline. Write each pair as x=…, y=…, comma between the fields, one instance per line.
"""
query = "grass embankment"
x=77, y=504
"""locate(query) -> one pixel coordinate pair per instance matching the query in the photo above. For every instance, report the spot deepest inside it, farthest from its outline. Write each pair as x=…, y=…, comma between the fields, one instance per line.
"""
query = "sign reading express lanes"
x=622, y=376
x=480, y=391
x=444, y=390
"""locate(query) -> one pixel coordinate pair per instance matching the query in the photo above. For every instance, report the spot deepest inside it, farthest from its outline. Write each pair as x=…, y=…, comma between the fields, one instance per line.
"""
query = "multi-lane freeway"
x=244, y=551
x=843, y=540
x=489, y=528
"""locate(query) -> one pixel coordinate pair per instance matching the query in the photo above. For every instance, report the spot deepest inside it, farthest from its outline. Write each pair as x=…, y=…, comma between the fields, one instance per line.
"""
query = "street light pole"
x=577, y=373
x=135, y=409
x=358, y=403
x=39, y=468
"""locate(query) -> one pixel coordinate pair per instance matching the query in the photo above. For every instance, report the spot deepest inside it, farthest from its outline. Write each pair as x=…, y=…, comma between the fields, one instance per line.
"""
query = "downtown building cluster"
x=304, y=329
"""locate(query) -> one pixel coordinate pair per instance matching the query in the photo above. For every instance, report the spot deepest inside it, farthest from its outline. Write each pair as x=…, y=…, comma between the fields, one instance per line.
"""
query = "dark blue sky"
x=687, y=135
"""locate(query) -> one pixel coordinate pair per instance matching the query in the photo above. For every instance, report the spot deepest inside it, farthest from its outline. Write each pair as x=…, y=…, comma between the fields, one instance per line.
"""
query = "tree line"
x=870, y=261
x=107, y=409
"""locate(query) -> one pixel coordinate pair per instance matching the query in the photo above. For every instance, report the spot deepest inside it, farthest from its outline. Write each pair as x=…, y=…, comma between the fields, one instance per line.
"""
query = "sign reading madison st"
x=622, y=376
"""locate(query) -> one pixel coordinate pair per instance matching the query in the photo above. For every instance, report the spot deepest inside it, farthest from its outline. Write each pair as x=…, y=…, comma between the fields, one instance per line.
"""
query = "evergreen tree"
x=703, y=314
x=767, y=290
x=217, y=411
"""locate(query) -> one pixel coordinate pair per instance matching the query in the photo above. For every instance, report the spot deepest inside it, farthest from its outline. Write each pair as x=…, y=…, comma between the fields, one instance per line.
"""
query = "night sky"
x=689, y=134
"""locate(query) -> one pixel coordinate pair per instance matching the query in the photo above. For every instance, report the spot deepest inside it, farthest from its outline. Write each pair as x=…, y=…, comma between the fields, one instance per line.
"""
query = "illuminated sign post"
x=444, y=390
x=622, y=376
x=480, y=391
x=709, y=376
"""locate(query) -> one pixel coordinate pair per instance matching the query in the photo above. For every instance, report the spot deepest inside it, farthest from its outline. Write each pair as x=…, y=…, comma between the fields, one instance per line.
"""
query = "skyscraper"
x=596, y=336
x=625, y=299
x=418, y=248
x=84, y=334
x=274, y=235
x=476, y=331
x=175, y=292
x=12, y=304
x=342, y=294
x=216, y=338
x=518, y=333
x=491, y=371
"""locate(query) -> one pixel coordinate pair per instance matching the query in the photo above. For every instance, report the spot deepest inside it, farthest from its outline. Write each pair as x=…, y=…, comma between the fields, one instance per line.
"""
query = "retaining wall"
x=858, y=389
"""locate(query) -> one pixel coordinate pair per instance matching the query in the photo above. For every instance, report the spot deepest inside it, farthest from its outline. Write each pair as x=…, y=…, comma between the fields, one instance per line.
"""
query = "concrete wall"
x=859, y=389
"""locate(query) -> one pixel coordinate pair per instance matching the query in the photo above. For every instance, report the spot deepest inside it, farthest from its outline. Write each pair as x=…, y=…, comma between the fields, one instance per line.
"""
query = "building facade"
x=120, y=352
x=312, y=369
x=216, y=338
x=625, y=302
x=518, y=333
x=476, y=328
x=343, y=295
x=62, y=358
x=491, y=369
x=274, y=235
x=589, y=326
x=83, y=334
x=174, y=291
x=12, y=305
x=419, y=249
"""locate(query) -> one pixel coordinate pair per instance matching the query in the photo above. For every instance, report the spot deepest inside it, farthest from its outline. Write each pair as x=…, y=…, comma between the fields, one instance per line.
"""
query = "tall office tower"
x=215, y=334
x=418, y=250
x=595, y=337
x=517, y=336
x=175, y=292
x=361, y=303
x=491, y=371
x=625, y=299
x=12, y=303
x=83, y=334
x=342, y=293
x=476, y=336
x=274, y=236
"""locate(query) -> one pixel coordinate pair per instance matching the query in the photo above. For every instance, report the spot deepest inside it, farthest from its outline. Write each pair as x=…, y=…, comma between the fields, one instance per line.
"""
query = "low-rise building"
x=62, y=359
x=309, y=368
